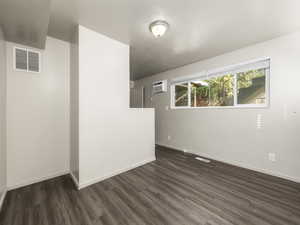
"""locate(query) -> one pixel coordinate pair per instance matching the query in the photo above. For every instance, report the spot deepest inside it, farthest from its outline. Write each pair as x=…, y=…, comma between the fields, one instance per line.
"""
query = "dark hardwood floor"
x=176, y=189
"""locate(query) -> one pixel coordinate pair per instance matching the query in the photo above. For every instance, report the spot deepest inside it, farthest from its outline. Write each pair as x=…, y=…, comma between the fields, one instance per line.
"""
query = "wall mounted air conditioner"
x=159, y=86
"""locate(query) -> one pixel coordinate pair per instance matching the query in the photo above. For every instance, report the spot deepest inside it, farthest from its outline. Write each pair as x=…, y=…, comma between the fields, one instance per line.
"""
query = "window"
x=199, y=93
x=221, y=90
x=237, y=86
x=26, y=60
x=251, y=87
x=181, y=95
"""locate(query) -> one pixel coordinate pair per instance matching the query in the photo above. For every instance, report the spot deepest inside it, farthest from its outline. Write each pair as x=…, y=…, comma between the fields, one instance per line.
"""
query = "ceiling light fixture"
x=158, y=28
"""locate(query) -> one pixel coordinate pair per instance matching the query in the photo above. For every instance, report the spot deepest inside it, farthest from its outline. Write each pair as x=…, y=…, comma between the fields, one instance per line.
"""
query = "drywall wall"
x=2, y=117
x=38, y=117
x=112, y=137
x=74, y=106
x=231, y=135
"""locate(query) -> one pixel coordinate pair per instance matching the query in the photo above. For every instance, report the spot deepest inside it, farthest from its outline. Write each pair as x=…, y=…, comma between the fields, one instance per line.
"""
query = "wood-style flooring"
x=176, y=189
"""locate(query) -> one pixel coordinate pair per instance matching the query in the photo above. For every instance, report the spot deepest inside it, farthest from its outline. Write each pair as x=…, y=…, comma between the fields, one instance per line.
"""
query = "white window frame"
x=235, y=97
x=27, y=50
x=189, y=95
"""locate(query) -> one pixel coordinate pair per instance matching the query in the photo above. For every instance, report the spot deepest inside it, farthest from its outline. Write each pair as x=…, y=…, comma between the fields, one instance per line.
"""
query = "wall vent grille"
x=26, y=60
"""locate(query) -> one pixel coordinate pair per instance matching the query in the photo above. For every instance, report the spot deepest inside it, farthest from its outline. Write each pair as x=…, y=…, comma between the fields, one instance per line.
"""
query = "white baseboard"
x=74, y=180
x=78, y=185
x=268, y=172
x=99, y=179
x=36, y=180
x=2, y=198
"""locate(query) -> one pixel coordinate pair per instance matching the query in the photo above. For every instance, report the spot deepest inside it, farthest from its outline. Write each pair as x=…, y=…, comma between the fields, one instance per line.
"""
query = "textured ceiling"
x=199, y=29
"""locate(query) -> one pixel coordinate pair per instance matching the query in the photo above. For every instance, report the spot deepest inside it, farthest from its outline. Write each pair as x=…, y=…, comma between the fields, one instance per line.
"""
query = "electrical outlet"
x=169, y=137
x=272, y=157
x=167, y=107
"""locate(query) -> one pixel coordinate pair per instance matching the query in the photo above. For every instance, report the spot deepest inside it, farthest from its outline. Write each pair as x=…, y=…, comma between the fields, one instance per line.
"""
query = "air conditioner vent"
x=33, y=61
x=27, y=60
x=21, y=59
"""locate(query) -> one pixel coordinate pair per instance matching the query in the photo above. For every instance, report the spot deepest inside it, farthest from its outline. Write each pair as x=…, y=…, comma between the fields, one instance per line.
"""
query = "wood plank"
x=175, y=189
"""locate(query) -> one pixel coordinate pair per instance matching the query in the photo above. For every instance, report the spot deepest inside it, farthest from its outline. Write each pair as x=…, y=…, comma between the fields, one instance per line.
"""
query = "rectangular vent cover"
x=21, y=59
x=33, y=61
x=27, y=60
x=159, y=87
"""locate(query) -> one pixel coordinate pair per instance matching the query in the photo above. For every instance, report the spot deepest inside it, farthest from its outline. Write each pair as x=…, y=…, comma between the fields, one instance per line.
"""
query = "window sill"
x=225, y=107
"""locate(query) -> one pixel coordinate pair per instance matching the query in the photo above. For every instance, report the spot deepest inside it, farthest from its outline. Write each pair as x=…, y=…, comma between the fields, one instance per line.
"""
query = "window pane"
x=199, y=93
x=251, y=87
x=181, y=94
x=221, y=91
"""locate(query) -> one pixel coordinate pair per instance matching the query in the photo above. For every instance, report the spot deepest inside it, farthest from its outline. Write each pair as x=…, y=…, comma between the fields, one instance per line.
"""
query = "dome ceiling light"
x=158, y=28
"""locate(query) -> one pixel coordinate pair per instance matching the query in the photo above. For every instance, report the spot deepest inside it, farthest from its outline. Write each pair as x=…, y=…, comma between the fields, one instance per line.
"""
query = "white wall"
x=2, y=116
x=112, y=137
x=38, y=117
x=74, y=106
x=230, y=135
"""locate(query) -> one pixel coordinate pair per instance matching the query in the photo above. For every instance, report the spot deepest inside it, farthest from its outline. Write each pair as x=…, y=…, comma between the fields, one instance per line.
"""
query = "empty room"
x=149, y=112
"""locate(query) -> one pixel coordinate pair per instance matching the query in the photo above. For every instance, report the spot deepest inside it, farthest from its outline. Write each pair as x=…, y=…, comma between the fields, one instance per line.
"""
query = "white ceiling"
x=199, y=29
x=25, y=21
